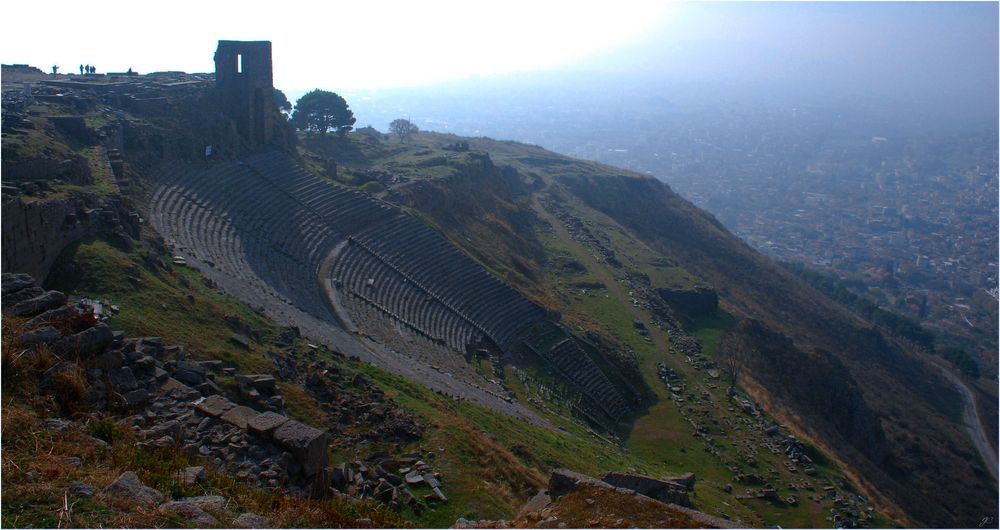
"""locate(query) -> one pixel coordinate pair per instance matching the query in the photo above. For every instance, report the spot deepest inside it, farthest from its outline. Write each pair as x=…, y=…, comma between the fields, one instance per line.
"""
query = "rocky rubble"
x=128, y=490
x=391, y=480
x=173, y=401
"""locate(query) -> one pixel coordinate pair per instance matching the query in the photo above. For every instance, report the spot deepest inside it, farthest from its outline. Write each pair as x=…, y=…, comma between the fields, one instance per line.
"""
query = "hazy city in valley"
x=509, y=265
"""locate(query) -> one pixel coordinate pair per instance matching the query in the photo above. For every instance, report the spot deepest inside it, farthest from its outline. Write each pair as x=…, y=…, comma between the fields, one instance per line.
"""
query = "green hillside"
x=829, y=422
x=597, y=244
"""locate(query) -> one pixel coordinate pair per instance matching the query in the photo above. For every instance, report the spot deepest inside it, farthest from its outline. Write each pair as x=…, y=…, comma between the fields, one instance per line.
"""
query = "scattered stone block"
x=249, y=520
x=214, y=503
x=178, y=390
x=538, y=502
x=564, y=481
x=192, y=475
x=39, y=304
x=189, y=373
x=135, y=398
x=307, y=444
x=265, y=424
x=208, y=388
x=89, y=341
x=43, y=335
x=240, y=340
x=661, y=490
x=127, y=489
x=214, y=406
x=190, y=511
x=109, y=360
x=54, y=315
x=213, y=365
x=170, y=428
x=239, y=416
x=81, y=489
x=687, y=480
x=264, y=383
x=123, y=379
x=56, y=424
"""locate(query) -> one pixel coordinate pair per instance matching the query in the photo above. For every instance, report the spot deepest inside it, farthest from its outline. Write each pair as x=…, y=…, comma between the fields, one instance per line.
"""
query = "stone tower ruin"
x=246, y=88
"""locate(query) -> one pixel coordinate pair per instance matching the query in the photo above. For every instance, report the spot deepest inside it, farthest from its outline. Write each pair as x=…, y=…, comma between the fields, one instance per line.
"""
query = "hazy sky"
x=907, y=49
x=334, y=44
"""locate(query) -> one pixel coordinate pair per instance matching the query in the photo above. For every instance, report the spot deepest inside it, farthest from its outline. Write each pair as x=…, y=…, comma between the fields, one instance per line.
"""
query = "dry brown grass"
x=69, y=387
x=595, y=507
x=37, y=473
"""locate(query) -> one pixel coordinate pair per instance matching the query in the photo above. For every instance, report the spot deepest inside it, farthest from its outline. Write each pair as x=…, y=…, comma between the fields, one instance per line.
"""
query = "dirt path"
x=970, y=416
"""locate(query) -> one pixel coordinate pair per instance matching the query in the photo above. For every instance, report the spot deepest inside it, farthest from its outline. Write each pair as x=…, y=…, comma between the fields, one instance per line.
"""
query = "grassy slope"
x=490, y=463
x=754, y=286
x=913, y=416
x=660, y=441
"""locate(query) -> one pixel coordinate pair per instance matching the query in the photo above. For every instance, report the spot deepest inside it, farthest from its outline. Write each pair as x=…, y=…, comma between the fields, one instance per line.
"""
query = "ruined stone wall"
x=73, y=170
x=245, y=86
x=34, y=233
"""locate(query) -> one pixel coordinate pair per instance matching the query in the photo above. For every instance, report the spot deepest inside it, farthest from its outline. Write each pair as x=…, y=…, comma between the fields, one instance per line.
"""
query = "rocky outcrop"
x=661, y=490
x=128, y=489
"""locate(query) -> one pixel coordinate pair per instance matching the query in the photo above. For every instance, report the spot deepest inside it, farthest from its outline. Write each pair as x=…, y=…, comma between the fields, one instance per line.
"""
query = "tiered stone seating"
x=228, y=215
x=564, y=353
x=270, y=224
x=430, y=262
x=390, y=290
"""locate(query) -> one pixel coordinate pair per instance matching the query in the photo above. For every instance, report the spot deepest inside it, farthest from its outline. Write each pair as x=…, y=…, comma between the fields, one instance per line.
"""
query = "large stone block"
x=39, y=304
x=239, y=416
x=214, y=406
x=249, y=520
x=178, y=390
x=89, y=341
x=123, y=379
x=263, y=383
x=661, y=490
x=307, y=444
x=42, y=335
x=190, y=512
x=52, y=316
x=190, y=373
x=565, y=480
x=135, y=398
x=265, y=424
x=109, y=360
